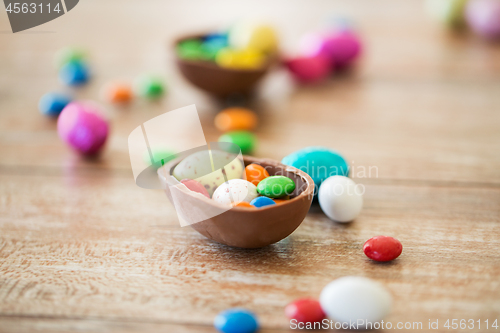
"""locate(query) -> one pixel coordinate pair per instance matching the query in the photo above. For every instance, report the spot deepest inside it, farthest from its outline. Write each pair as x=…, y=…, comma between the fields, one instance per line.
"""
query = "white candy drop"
x=356, y=299
x=340, y=198
x=235, y=191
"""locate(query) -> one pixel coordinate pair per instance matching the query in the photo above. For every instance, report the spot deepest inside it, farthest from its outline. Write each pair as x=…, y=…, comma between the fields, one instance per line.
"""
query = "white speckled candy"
x=340, y=198
x=198, y=166
x=353, y=298
x=236, y=189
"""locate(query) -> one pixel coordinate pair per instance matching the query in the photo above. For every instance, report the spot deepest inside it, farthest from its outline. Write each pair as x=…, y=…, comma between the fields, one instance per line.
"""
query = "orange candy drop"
x=233, y=119
x=243, y=204
x=119, y=93
x=255, y=173
x=279, y=201
x=282, y=199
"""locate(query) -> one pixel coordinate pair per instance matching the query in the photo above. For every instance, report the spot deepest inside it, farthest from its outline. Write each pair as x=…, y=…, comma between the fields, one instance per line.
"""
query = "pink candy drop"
x=309, y=69
x=483, y=16
x=82, y=127
x=341, y=47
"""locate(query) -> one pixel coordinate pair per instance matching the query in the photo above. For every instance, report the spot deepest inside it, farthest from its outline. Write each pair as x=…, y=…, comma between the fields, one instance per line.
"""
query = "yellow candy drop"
x=225, y=57
x=250, y=59
x=262, y=38
x=239, y=59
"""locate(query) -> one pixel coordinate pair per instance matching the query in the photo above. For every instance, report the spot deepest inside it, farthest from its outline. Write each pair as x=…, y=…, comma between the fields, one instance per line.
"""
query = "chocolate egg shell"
x=250, y=228
x=216, y=80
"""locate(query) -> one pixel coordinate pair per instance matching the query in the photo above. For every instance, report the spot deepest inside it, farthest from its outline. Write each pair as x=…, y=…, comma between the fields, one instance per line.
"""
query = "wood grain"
x=84, y=249
x=88, y=254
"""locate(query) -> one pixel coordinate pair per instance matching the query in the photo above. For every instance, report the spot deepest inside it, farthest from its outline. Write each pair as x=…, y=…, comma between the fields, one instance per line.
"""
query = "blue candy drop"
x=236, y=320
x=74, y=73
x=217, y=38
x=319, y=163
x=51, y=104
x=262, y=201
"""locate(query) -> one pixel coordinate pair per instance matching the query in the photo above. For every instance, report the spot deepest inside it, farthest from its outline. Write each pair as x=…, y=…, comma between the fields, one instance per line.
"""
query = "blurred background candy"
x=83, y=127
x=448, y=12
x=251, y=35
x=74, y=73
x=118, y=92
x=213, y=43
x=483, y=17
x=322, y=53
x=308, y=69
x=150, y=87
x=240, y=59
x=235, y=118
x=69, y=54
x=341, y=47
x=246, y=47
x=313, y=44
x=243, y=139
x=190, y=49
x=203, y=48
x=51, y=104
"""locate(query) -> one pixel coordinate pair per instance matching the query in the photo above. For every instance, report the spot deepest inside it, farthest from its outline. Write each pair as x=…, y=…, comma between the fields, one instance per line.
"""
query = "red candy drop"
x=305, y=310
x=382, y=248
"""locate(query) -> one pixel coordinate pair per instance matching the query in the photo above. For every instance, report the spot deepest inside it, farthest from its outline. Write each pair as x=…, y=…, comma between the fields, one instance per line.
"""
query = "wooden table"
x=83, y=248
